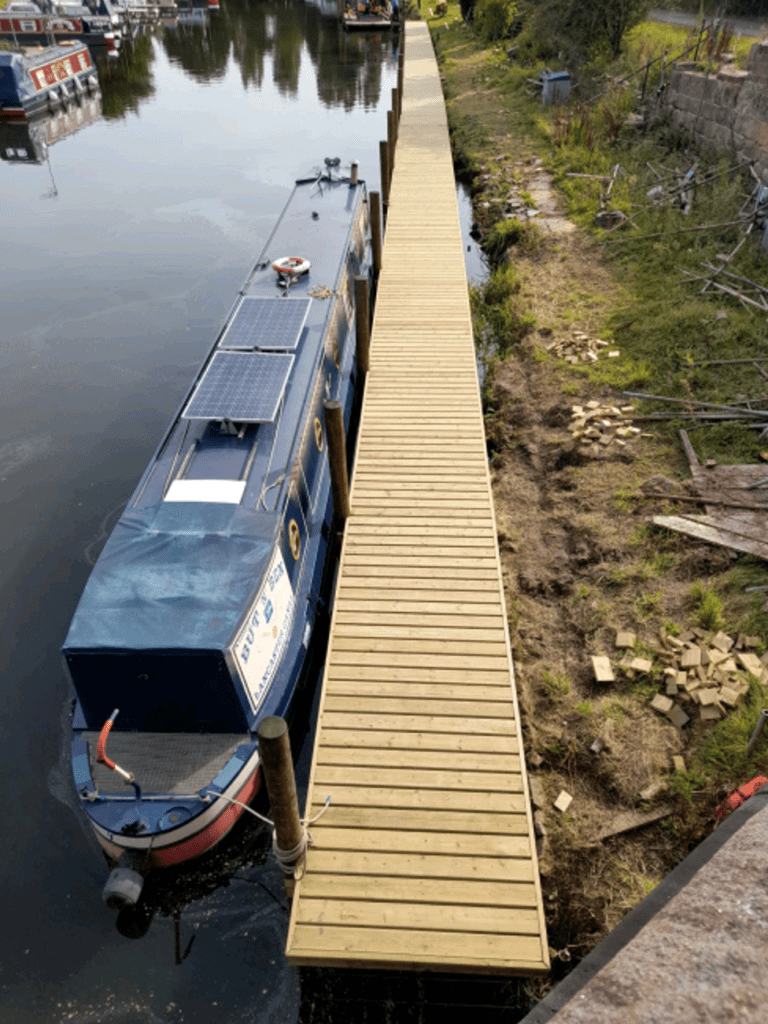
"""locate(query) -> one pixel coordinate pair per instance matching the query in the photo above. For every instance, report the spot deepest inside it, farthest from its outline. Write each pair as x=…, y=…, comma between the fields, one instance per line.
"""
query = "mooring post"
x=396, y=112
x=337, y=457
x=384, y=164
x=376, y=233
x=391, y=141
x=353, y=174
x=362, y=323
x=400, y=82
x=277, y=765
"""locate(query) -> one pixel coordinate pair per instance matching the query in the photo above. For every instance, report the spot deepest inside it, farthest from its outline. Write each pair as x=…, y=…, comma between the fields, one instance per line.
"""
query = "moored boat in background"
x=28, y=23
x=199, y=615
x=45, y=80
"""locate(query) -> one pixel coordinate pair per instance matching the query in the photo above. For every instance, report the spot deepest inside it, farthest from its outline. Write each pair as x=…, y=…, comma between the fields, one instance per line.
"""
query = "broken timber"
x=742, y=530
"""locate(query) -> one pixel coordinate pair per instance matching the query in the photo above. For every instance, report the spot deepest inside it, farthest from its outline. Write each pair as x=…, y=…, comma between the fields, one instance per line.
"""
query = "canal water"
x=123, y=249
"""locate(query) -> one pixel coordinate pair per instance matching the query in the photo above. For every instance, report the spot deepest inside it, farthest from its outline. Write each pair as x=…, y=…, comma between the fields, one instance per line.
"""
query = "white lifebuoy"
x=293, y=265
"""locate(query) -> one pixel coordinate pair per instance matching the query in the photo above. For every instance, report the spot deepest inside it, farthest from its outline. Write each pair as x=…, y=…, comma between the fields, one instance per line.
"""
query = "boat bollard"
x=362, y=323
x=385, y=171
x=375, y=200
x=354, y=172
x=289, y=840
x=337, y=457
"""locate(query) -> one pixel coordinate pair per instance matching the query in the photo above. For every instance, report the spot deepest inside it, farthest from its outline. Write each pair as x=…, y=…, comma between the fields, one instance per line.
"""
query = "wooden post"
x=396, y=111
x=384, y=163
x=337, y=457
x=376, y=233
x=400, y=81
x=277, y=765
x=391, y=140
x=362, y=323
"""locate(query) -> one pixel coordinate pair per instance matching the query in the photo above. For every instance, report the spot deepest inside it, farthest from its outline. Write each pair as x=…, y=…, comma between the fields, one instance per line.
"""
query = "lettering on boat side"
x=261, y=641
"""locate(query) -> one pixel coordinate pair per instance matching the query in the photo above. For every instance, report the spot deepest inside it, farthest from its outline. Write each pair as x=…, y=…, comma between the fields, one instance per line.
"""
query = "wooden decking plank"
x=466, y=892
x=434, y=917
x=424, y=799
x=452, y=744
x=425, y=856
x=429, y=759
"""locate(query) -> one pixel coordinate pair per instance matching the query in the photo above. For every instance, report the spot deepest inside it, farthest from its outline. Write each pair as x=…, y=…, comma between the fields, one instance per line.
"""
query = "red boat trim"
x=186, y=846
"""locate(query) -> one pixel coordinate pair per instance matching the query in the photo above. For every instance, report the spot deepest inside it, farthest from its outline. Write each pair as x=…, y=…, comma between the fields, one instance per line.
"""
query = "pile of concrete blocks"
x=597, y=426
x=705, y=675
x=581, y=348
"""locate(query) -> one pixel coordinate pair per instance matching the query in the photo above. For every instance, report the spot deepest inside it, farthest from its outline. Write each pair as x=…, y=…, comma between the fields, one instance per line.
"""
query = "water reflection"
x=112, y=293
x=28, y=141
x=255, y=35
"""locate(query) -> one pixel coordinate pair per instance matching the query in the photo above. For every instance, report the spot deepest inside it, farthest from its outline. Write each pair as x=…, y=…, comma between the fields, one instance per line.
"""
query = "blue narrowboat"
x=198, y=618
x=44, y=80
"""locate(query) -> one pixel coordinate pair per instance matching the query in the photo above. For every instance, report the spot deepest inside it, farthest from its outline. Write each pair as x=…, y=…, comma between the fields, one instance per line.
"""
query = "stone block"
x=710, y=713
x=661, y=704
x=602, y=669
x=625, y=638
x=722, y=642
x=678, y=717
x=678, y=763
x=691, y=657
x=563, y=801
x=651, y=791
x=641, y=665
x=752, y=664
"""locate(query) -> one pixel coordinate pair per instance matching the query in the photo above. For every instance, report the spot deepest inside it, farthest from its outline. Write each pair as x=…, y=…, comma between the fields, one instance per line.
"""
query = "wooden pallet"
x=425, y=858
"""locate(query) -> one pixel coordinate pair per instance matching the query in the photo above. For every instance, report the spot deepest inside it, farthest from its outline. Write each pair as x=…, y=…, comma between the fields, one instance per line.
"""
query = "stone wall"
x=726, y=110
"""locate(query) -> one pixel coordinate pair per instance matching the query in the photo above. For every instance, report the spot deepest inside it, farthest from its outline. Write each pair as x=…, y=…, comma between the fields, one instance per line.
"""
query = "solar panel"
x=267, y=323
x=245, y=387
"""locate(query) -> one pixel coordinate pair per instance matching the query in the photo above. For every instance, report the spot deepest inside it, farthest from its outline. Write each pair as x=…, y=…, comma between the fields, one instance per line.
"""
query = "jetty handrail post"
x=362, y=323
x=384, y=163
x=277, y=766
x=337, y=457
x=376, y=233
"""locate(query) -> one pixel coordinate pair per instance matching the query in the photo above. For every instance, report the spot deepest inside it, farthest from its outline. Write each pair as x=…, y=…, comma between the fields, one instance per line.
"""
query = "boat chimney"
x=353, y=173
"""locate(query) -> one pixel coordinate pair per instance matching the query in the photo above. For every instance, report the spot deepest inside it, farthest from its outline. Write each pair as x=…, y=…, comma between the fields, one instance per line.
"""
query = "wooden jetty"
x=425, y=858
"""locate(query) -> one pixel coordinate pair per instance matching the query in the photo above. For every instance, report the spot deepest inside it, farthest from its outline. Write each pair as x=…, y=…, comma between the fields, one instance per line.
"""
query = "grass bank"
x=583, y=562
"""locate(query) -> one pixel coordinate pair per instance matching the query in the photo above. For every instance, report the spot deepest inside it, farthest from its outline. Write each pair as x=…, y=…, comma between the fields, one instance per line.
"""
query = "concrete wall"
x=727, y=110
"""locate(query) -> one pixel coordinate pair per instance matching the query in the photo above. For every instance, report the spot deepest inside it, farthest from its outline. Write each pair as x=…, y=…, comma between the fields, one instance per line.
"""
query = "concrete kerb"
x=644, y=912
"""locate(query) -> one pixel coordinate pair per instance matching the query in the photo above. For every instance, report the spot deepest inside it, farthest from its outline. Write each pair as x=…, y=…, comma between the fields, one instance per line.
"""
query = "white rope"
x=292, y=861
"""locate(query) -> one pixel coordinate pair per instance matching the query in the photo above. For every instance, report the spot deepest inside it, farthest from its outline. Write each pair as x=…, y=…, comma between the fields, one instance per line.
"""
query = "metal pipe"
x=758, y=731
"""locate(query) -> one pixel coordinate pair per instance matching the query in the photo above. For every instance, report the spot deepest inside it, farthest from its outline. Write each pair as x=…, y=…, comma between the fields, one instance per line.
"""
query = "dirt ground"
x=580, y=563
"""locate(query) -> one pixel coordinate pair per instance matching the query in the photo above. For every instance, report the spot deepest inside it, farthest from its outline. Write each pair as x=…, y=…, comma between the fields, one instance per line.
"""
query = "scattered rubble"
x=598, y=426
x=704, y=674
x=581, y=348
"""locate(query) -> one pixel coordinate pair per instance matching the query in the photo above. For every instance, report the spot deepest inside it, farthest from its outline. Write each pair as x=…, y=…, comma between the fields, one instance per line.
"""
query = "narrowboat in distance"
x=26, y=23
x=45, y=80
x=198, y=618
x=371, y=15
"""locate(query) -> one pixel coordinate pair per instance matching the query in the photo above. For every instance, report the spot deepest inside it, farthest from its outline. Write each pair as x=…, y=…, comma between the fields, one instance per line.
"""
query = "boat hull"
x=207, y=608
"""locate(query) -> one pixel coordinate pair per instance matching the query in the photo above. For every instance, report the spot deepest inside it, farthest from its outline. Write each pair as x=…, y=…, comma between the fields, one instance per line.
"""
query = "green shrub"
x=495, y=18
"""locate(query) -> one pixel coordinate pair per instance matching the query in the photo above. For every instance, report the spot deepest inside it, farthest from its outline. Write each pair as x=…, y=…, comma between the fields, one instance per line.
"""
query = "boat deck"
x=425, y=858
x=164, y=762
